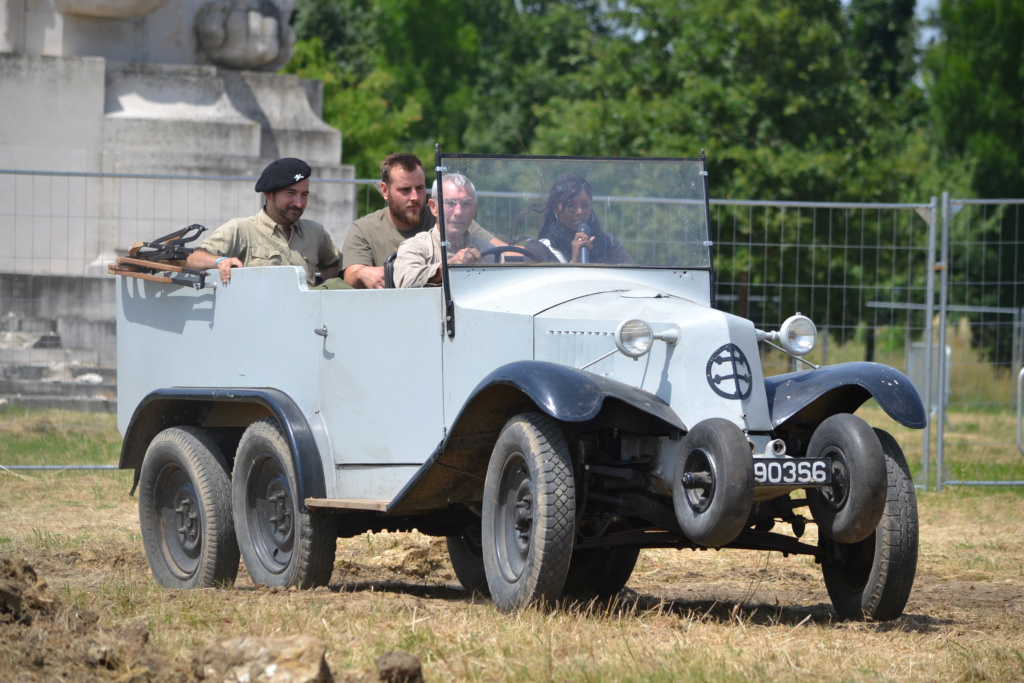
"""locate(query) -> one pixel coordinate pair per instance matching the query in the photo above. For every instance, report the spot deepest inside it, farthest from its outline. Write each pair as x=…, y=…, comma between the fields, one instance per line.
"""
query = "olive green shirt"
x=259, y=241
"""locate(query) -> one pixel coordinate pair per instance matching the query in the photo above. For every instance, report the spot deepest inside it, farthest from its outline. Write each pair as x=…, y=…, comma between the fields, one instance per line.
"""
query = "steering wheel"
x=501, y=250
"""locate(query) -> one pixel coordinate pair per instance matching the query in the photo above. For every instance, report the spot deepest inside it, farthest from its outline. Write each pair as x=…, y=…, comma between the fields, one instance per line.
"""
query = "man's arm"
x=328, y=254
x=200, y=259
x=327, y=272
x=364, y=277
x=357, y=255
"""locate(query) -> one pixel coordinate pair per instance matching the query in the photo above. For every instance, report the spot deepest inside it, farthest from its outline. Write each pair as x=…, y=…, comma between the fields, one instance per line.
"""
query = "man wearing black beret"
x=276, y=236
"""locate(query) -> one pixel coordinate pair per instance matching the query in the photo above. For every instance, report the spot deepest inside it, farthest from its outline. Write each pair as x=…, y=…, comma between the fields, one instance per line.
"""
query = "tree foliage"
x=791, y=99
x=976, y=86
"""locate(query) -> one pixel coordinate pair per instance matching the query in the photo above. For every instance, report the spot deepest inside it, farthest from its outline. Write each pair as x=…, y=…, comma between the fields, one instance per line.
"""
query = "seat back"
x=389, y=271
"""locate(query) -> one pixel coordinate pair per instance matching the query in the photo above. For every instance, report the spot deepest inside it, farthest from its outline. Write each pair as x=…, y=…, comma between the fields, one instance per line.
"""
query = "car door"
x=380, y=386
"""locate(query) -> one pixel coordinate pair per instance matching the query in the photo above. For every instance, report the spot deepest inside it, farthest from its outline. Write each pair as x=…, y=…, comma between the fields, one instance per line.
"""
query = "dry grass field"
x=69, y=541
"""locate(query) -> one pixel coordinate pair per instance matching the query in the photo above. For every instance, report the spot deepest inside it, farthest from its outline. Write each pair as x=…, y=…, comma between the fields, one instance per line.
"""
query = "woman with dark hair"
x=571, y=232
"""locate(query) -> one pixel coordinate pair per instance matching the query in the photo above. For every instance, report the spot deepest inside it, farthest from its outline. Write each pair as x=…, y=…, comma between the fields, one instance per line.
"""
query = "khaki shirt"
x=419, y=257
x=373, y=238
x=258, y=241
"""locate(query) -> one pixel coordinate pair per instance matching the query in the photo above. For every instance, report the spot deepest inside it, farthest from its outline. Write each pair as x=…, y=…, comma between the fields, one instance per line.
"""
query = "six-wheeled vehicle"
x=550, y=418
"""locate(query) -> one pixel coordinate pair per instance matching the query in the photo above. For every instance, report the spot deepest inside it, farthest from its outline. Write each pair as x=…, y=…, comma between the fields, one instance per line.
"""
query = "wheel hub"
x=523, y=515
x=834, y=496
x=279, y=514
x=187, y=521
x=699, y=480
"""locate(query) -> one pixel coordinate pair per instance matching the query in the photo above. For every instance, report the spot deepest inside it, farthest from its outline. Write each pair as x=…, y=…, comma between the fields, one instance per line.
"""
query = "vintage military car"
x=550, y=418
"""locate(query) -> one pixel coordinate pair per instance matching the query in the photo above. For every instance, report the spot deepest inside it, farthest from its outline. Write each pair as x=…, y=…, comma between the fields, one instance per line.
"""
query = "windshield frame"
x=656, y=210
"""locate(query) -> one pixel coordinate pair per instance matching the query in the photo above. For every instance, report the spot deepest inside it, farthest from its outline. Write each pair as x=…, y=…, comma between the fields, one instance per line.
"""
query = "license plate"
x=792, y=471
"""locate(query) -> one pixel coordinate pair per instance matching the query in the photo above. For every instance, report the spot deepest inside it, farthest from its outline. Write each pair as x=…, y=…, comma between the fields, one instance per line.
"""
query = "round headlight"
x=798, y=335
x=634, y=338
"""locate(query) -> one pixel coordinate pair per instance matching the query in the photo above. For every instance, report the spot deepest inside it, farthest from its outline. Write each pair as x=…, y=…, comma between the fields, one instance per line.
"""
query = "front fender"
x=455, y=472
x=569, y=394
x=809, y=396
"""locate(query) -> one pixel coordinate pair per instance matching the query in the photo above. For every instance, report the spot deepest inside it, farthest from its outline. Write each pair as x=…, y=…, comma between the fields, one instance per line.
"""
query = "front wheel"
x=529, y=512
x=185, y=511
x=871, y=579
x=281, y=545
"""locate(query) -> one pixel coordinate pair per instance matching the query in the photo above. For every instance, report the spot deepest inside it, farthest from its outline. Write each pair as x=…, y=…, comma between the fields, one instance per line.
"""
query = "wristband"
x=217, y=262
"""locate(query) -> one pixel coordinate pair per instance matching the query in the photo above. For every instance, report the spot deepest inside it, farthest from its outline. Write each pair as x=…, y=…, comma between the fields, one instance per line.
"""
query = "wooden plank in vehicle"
x=153, y=265
x=113, y=269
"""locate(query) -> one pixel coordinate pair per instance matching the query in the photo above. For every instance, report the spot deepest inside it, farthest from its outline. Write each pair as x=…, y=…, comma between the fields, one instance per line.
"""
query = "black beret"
x=282, y=173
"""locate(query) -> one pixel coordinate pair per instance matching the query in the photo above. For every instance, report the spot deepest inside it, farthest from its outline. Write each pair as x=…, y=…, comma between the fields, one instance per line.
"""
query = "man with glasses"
x=419, y=258
x=374, y=237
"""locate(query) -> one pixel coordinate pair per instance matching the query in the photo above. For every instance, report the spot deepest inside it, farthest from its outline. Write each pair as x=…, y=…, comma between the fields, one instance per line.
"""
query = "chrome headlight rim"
x=798, y=335
x=634, y=338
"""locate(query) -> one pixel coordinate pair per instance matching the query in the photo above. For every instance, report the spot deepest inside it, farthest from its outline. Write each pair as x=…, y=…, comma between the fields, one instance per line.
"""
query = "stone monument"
x=108, y=89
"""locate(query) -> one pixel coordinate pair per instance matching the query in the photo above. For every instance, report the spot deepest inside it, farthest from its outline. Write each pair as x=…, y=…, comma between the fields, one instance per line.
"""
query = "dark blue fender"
x=455, y=472
x=571, y=395
x=178, y=406
x=812, y=395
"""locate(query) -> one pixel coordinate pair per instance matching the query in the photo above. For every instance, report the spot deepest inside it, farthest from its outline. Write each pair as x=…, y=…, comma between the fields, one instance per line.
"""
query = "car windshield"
x=633, y=212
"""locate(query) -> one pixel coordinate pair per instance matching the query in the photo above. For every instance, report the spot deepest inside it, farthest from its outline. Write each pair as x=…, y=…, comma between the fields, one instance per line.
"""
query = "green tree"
x=882, y=40
x=976, y=87
x=357, y=106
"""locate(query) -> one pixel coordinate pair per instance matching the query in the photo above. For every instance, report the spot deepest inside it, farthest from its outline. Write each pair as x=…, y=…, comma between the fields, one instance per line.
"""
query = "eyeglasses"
x=464, y=203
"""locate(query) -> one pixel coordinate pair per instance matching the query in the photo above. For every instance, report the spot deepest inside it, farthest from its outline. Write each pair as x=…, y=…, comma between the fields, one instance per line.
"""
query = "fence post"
x=929, y=312
x=943, y=267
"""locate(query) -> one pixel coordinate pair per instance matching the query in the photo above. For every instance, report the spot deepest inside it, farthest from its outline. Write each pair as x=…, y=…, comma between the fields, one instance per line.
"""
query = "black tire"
x=185, y=511
x=465, y=550
x=716, y=459
x=599, y=572
x=281, y=546
x=849, y=510
x=529, y=513
x=872, y=579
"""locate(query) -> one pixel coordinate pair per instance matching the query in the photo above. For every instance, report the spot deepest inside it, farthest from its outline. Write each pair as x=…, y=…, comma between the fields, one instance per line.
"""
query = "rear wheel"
x=713, y=490
x=872, y=579
x=849, y=509
x=529, y=512
x=281, y=545
x=465, y=550
x=600, y=572
x=185, y=511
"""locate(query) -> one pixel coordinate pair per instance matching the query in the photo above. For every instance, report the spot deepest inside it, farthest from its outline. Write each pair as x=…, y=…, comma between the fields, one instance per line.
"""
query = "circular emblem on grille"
x=729, y=373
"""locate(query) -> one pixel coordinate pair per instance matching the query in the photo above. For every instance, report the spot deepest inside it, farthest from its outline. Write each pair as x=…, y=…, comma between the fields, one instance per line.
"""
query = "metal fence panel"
x=981, y=309
x=866, y=273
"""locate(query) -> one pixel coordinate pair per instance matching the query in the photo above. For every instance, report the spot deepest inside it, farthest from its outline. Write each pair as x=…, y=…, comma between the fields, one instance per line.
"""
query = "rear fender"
x=223, y=407
x=805, y=398
x=455, y=472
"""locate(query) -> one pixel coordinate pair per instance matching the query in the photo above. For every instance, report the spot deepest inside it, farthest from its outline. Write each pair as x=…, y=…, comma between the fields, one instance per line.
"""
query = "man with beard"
x=275, y=236
x=419, y=258
x=374, y=237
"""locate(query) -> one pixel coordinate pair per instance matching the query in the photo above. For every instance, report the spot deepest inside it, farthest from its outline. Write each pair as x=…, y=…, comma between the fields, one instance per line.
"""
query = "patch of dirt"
x=42, y=638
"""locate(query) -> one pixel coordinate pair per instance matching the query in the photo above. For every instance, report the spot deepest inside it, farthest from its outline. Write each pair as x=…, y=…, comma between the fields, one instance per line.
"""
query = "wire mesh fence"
x=932, y=289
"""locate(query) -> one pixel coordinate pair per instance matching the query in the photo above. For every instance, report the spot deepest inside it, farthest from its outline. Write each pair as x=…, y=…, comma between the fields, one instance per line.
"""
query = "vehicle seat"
x=389, y=271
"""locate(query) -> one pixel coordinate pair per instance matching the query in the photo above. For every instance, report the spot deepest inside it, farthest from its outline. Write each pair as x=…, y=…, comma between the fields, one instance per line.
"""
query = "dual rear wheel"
x=197, y=519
